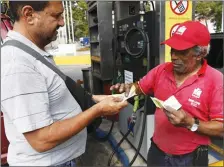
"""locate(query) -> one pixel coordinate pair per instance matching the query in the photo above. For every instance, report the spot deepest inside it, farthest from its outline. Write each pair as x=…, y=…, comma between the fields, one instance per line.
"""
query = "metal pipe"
x=222, y=17
x=142, y=12
x=71, y=17
x=65, y=26
x=68, y=24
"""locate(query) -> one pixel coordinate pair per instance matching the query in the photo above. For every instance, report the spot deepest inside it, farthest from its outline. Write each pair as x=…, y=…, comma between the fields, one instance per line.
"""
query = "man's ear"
x=27, y=13
x=203, y=54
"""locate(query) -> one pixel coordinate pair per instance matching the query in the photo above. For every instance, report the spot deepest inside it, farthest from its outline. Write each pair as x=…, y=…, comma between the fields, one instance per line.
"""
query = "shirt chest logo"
x=197, y=93
x=194, y=102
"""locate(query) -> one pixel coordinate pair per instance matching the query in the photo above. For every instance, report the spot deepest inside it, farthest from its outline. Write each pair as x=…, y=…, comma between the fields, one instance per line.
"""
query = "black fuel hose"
x=142, y=133
x=126, y=135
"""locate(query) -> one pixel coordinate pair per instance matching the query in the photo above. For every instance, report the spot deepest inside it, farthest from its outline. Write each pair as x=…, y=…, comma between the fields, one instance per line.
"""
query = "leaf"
x=80, y=21
x=210, y=10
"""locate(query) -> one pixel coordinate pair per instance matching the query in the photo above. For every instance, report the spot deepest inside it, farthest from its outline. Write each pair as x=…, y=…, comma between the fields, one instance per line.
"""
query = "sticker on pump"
x=128, y=76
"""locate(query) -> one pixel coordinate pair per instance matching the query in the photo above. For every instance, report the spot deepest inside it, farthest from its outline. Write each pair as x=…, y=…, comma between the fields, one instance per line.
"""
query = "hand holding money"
x=130, y=94
x=171, y=104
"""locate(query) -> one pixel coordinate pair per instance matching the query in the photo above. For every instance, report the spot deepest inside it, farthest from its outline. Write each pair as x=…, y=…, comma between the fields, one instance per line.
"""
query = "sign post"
x=175, y=12
x=222, y=17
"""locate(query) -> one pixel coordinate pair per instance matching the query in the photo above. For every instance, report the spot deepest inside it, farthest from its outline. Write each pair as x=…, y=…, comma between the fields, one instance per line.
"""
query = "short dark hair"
x=16, y=6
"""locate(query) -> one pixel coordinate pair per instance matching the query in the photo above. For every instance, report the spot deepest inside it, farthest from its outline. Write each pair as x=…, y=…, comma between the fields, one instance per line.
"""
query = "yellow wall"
x=72, y=60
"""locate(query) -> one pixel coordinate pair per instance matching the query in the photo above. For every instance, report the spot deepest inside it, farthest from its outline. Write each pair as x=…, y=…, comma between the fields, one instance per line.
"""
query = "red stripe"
x=178, y=4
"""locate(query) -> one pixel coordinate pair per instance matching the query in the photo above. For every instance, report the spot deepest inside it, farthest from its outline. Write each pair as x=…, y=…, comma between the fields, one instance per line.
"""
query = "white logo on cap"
x=181, y=30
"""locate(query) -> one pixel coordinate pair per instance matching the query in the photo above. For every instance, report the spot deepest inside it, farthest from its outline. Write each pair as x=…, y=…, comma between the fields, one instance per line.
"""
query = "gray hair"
x=204, y=50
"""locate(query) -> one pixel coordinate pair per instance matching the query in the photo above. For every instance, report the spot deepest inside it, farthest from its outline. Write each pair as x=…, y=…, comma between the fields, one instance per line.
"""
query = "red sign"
x=179, y=7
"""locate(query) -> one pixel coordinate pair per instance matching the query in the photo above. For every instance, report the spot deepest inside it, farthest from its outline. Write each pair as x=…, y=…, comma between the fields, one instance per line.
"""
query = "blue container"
x=85, y=41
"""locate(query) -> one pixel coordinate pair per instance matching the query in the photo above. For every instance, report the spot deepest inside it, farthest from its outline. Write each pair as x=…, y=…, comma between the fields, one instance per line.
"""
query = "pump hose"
x=118, y=145
x=126, y=135
x=142, y=133
x=104, y=138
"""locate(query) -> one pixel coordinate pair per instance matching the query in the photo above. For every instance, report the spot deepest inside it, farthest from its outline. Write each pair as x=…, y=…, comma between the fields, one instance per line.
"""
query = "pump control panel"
x=137, y=47
x=132, y=58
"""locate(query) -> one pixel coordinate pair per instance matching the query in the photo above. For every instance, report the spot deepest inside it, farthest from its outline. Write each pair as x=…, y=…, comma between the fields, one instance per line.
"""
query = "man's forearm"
x=211, y=128
x=55, y=134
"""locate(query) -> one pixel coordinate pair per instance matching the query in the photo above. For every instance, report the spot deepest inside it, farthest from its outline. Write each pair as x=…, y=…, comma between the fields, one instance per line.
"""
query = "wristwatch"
x=195, y=125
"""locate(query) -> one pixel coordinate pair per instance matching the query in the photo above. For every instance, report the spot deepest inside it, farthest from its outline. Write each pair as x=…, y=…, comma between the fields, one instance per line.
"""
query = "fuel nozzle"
x=133, y=117
x=132, y=121
x=136, y=104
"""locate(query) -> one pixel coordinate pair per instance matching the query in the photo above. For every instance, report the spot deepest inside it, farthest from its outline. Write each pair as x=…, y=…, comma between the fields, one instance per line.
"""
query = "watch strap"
x=196, y=121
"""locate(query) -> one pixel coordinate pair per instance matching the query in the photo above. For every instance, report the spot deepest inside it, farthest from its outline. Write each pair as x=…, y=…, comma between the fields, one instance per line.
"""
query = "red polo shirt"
x=201, y=96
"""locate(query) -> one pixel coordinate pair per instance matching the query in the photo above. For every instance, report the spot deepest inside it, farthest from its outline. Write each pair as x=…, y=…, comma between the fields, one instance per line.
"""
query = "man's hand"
x=98, y=98
x=111, y=105
x=179, y=117
x=122, y=88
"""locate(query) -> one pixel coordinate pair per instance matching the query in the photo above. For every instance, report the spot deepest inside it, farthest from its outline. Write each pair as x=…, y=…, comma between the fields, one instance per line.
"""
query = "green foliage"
x=204, y=9
x=80, y=21
x=210, y=10
x=147, y=6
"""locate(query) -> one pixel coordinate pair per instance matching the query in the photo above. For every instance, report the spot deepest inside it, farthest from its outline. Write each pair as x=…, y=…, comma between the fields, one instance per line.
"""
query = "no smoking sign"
x=179, y=7
x=173, y=29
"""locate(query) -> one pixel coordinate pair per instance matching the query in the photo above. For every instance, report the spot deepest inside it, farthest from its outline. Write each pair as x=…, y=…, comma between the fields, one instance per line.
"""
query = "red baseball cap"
x=189, y=34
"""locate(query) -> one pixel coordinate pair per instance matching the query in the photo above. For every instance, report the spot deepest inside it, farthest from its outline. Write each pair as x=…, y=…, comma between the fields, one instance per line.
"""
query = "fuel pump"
x=136, y=48
x=137, y=53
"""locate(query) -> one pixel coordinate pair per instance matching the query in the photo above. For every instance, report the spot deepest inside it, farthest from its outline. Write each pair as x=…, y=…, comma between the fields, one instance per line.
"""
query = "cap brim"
x=177, y=43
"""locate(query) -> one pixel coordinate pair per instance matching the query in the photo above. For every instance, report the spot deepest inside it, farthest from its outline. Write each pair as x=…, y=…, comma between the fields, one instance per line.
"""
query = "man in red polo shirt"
x=181, y=137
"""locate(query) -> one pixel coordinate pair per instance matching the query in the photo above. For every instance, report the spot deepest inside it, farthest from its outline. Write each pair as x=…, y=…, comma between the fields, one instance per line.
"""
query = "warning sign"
x=176, y=12
x=179, y=7
x=173, y=29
